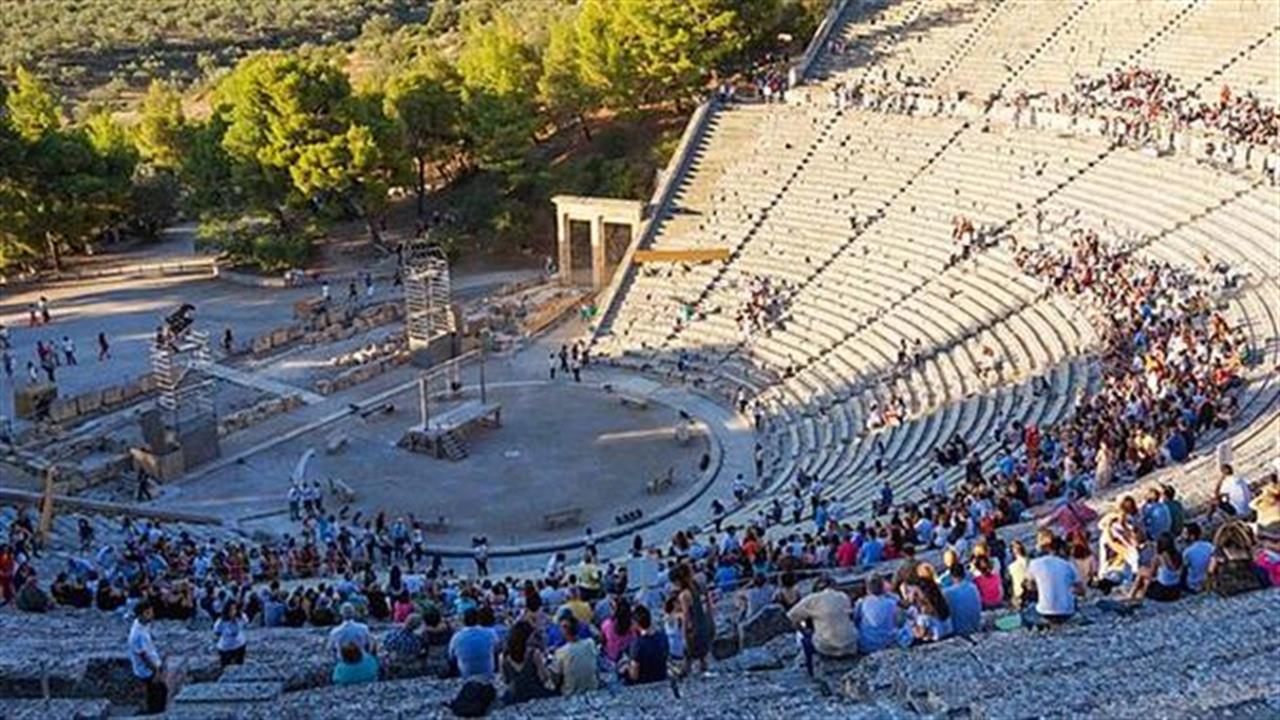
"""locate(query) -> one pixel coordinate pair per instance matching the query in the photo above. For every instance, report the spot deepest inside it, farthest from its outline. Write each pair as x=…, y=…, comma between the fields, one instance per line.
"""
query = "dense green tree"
x=32, y=108
x=499, y=70
x=602, y=61
x=563, y=92
x=161, y=131
x=674, y=45
x=205, y=168
x=300, y=142
x=154, y=200
x=423, y=104
x=65, y=195
x=275, y=106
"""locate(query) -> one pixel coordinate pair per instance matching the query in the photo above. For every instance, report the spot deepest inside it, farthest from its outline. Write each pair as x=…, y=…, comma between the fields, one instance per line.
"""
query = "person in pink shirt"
x=619, y=631
x=402, y=607
x=990, y=588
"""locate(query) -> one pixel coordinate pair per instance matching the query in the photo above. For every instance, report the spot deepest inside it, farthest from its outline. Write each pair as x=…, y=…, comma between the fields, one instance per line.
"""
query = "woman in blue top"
x=355, y=667
x=1162, y=579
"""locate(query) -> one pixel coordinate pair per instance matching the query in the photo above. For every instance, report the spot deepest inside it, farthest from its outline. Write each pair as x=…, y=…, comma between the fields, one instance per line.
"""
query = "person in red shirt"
x=7, y=567
x=847, y=552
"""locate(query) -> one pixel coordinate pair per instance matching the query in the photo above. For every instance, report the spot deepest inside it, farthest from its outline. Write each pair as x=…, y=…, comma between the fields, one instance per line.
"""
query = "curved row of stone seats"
x=863, y=291
x=64, y=532
x=904, y=238
x=814, y=223
x=906, y=461
x=923, y=432
x=70, y=653
x=917, y=40
x=1212, y=35
x=1221, y=659
x=1015, y=35
x=735, y=206
x=730, y=693
x=1255, y=72
x=77, y=659
x=1106, y=35
x=1195, y=207
x=730, y=129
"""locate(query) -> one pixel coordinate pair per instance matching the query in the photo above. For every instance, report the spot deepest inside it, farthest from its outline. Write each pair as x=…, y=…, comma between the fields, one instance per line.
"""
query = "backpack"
x=473, y=700
x=1233, y=560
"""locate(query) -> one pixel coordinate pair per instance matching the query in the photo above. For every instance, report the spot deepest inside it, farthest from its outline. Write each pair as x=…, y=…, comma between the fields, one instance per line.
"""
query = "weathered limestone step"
x=253, y=673
x=221, y=693
x=69, y=708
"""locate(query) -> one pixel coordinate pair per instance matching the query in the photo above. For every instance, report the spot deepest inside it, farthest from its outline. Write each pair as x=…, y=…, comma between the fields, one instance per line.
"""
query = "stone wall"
x=336, y=323
x=256, y=413
x=361, y=373
x=66, y=411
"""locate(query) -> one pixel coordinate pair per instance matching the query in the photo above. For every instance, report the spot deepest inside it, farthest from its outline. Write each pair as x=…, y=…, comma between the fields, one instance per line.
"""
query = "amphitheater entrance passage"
x=611, y=225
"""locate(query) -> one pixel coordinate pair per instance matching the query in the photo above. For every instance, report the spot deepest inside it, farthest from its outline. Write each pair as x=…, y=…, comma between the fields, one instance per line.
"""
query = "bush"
x=256, y=242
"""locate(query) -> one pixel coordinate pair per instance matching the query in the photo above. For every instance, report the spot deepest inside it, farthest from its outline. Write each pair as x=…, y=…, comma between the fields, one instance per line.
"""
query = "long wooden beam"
x=675, y=256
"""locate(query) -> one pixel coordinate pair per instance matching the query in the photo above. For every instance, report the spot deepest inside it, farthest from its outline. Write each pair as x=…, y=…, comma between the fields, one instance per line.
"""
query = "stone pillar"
x=599, y=254
x=564, y=244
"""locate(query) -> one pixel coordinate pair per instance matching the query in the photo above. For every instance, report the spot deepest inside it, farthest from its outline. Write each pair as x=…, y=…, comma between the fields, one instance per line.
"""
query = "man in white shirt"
x=145, y=659
x=1233, y=493
x=351, y=631
x=1056, y=583
x=831, y=613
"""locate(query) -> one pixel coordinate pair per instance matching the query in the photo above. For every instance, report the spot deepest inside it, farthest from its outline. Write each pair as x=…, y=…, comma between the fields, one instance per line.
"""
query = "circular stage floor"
x=560, y=446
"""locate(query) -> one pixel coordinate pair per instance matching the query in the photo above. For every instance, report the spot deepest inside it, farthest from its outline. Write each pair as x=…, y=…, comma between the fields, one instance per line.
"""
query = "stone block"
x=131, y=391
x=28, y=400
x=72, y=708
x=724, y=646
x=324, y=387
x=253, y=673
x=147, y=383
x=279, y=337
x=240, y=692
x=113, y=396
x=62, y=410
x=89, y=402
x=768, y=623
x=261, y=344
x=757, y=659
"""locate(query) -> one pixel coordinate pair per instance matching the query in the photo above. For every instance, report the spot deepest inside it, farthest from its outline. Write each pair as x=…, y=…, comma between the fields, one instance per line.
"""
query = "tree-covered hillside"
x=109, y=50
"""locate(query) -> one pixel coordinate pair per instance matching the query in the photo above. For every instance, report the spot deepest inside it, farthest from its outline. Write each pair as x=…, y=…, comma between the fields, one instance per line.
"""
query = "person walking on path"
x=694, y=605
x=69, y=350
x=229, y=630
x=145, y=660
x=43, y=305
x=104, y=347
x=144, y=486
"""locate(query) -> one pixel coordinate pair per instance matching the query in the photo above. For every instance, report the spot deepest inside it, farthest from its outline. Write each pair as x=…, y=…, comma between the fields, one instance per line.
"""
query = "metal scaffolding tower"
x=426, y=293
x=183, y=396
